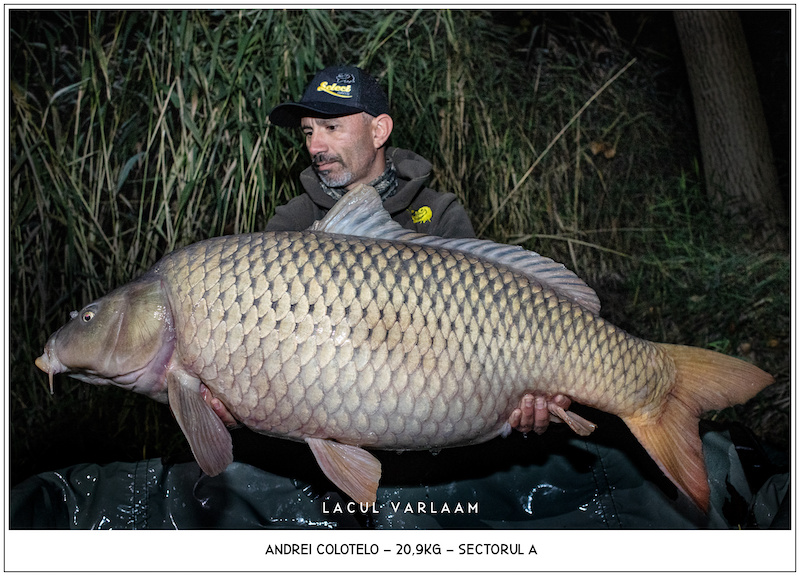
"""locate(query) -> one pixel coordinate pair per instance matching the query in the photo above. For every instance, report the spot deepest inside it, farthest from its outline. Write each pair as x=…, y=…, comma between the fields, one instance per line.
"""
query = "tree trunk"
x=737, y=156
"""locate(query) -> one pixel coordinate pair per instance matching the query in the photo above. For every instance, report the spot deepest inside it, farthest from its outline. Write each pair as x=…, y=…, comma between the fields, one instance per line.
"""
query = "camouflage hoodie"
x=413, y=206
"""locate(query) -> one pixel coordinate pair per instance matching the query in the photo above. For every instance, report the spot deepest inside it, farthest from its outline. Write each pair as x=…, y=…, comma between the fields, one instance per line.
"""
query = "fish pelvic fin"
x=580, y=425
x=704, y=380
x=352, y=469
x=208, y=437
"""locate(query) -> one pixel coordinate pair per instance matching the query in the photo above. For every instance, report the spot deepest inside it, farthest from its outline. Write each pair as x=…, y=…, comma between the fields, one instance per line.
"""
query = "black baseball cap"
x=336, y=91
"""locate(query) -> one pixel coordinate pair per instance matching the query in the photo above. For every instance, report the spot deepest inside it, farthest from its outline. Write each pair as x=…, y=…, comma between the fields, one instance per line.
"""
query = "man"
x=344, y=117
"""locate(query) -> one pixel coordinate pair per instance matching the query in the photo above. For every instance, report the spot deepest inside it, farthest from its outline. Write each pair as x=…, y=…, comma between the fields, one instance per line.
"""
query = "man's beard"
x=337, y=180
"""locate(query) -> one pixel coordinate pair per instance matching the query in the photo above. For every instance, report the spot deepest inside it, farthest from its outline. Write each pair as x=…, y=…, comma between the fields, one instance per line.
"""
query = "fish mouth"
x=49, y=363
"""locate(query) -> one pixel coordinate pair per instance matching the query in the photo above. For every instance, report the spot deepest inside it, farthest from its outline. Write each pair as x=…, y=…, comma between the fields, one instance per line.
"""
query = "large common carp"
x=360, y=334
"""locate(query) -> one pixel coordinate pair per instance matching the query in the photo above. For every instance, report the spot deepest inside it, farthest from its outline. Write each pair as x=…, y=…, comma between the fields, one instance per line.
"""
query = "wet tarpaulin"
x=549, y=482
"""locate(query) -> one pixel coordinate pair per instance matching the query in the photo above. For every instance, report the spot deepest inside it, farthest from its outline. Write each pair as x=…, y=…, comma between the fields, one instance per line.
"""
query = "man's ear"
x=382, y=126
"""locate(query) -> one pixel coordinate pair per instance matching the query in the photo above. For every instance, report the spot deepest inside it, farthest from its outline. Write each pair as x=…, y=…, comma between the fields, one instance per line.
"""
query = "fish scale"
x=358, y=333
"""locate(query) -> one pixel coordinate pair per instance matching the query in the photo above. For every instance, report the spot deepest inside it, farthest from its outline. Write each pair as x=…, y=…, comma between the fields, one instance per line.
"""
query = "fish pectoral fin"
x=208, y=437
x=354, y=470
x=580, y=425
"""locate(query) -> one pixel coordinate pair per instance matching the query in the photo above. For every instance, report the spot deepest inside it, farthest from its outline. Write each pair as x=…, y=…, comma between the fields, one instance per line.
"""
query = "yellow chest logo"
x=422, y=215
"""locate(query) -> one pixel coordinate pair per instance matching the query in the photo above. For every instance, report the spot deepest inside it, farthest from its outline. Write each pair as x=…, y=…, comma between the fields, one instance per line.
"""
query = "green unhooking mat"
x=554, y=481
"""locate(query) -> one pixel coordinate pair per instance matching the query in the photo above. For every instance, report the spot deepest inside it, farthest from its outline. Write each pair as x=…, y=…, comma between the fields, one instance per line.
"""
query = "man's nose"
x=316, y=143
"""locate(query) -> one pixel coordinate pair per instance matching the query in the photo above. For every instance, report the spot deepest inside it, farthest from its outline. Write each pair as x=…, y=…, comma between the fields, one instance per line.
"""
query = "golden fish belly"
x=389, y=345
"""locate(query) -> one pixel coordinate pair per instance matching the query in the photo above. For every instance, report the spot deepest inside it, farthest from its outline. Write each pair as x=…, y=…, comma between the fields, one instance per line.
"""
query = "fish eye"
x=87, y=315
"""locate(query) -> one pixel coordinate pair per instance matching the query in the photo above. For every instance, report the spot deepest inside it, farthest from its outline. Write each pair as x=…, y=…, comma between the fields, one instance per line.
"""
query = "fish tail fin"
x=704, y=380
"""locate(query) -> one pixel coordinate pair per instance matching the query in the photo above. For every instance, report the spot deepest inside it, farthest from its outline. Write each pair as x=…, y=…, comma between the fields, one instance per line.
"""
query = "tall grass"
x=135, y=132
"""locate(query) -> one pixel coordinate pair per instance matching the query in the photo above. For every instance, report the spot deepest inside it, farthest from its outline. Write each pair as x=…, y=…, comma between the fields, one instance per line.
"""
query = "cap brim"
x=289, y=114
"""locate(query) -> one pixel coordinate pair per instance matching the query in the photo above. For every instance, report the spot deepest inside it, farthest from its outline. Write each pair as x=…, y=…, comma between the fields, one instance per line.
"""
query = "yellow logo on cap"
x=335, y=89
x=422, y=215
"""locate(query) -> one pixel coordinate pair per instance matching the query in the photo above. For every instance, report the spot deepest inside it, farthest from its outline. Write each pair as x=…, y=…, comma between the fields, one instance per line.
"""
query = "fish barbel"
x=360, y=334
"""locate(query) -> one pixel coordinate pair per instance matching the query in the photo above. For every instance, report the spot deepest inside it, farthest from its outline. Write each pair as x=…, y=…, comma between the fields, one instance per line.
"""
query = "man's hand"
x=535, y=412
x=218, y=407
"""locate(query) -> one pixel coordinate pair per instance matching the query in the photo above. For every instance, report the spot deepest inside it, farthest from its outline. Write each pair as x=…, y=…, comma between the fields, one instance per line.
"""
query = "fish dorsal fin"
x=354, y=470
x=361, y=213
